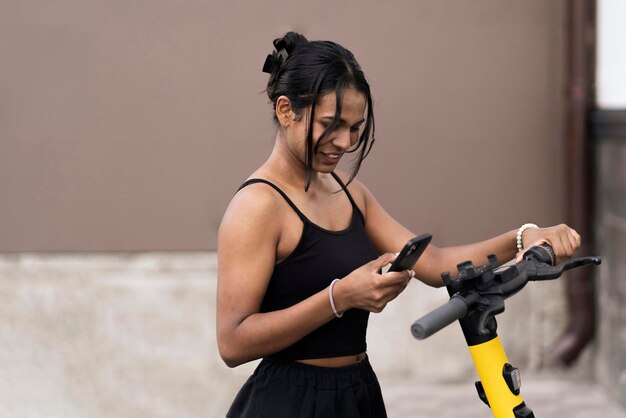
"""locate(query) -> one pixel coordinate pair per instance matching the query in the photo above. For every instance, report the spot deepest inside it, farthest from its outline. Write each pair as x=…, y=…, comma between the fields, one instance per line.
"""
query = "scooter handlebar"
x=537, y=265
x=455, y=308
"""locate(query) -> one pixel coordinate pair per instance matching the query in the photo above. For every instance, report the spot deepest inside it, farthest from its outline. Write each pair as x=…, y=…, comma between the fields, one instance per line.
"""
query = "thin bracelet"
x=520, y=231
x=330, y=296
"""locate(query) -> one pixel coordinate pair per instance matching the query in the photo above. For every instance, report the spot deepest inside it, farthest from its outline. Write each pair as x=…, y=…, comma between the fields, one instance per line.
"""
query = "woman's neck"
x=287, y=167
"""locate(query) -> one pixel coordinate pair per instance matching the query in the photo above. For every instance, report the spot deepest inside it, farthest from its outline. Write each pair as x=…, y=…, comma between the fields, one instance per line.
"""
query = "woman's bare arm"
x=388, y=235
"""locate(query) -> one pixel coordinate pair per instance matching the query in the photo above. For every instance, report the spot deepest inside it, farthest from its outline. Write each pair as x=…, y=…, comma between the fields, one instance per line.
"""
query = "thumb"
x=382, y=261
x=535, y=243
x=520, y=254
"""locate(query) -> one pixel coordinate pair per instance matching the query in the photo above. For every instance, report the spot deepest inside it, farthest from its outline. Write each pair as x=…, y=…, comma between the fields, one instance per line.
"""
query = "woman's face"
x=343, y=137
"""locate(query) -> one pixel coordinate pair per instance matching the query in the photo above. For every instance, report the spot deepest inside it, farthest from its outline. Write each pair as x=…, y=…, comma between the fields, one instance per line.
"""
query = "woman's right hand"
x=366, y=289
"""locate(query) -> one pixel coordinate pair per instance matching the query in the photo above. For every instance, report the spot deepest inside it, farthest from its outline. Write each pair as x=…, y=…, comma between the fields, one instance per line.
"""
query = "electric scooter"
x=476, y=296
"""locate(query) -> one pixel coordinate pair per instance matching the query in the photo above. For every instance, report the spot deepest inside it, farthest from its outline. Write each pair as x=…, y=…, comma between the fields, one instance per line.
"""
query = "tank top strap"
x=345, y=189
x=283, y=194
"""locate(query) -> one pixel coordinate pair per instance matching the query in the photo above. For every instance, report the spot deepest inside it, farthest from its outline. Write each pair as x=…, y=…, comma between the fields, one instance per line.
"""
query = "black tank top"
x=319, y=257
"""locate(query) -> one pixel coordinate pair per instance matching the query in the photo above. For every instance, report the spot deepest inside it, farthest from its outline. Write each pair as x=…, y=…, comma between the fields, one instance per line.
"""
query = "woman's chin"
x=326, y=164
x=324, y=168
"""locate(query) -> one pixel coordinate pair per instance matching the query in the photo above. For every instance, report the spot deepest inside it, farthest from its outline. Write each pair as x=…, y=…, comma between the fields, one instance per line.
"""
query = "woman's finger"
x=574, y=239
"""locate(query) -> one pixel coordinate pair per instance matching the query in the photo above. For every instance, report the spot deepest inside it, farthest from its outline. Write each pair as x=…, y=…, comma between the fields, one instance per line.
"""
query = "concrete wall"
x=133, y=335
x=609, y=127
x=611, y=276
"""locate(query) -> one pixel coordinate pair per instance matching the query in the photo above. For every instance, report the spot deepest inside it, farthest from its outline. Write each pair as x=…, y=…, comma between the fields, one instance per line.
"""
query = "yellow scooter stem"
x=494, y=371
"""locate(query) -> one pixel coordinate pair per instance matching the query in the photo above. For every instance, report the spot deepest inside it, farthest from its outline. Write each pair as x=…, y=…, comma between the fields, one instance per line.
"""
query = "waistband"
x=322, y=377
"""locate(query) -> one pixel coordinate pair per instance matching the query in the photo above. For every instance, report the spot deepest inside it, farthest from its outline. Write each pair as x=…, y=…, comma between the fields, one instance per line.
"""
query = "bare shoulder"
x=252, y=211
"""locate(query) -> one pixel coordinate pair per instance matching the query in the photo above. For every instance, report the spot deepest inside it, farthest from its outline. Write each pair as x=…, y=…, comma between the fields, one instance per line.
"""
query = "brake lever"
x=489, y=306
x=541, y=272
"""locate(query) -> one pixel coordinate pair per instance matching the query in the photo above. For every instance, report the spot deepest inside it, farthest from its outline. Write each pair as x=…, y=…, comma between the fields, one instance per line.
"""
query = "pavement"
x=548, y=397
x=551, y=395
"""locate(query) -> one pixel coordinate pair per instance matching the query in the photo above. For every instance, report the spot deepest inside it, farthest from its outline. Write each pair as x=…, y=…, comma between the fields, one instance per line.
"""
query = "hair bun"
x=284, y=47
x=289, y=42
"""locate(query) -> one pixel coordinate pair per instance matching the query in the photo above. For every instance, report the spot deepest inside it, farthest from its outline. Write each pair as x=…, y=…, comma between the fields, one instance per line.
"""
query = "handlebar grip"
x=456, y=308
x=543, y=253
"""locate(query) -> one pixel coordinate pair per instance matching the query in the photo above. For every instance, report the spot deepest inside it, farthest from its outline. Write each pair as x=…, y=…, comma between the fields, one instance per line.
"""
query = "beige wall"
x=128, y=126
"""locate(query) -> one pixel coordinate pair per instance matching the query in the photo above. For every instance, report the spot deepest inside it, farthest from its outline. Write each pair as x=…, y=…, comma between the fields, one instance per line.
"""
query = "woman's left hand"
x=564, y=240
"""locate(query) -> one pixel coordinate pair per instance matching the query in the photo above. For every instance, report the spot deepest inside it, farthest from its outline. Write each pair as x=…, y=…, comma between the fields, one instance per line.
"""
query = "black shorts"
x=287, y=389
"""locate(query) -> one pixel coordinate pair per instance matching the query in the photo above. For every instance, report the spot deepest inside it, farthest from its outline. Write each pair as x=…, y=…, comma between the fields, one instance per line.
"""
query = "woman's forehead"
x=353, y=104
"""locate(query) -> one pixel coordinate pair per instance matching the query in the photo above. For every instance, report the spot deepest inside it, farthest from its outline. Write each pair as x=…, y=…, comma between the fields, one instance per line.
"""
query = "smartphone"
x=412, y=250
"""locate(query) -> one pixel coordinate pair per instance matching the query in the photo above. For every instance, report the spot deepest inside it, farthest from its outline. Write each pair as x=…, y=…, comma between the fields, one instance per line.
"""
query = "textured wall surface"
x=611, y=280
x=134, y=336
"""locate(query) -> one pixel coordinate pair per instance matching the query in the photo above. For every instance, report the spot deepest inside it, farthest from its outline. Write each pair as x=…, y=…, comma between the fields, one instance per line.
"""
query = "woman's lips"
x=332, y=158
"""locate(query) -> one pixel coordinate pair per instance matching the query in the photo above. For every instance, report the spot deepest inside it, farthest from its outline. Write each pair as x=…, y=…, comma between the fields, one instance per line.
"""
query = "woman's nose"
x=343, y=139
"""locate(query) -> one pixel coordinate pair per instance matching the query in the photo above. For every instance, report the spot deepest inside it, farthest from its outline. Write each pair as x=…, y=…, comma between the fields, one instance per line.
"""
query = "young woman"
x=301, y=245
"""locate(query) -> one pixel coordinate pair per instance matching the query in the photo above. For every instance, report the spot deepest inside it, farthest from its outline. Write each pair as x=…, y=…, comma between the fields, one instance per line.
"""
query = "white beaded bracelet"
x=520, y=231
x=330, y=296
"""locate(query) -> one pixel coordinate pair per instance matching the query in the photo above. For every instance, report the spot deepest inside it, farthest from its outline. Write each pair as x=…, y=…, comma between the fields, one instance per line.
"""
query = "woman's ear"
x=284, y=111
